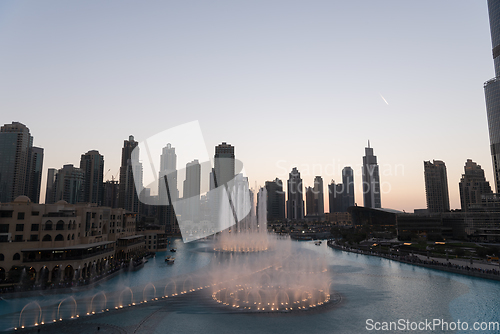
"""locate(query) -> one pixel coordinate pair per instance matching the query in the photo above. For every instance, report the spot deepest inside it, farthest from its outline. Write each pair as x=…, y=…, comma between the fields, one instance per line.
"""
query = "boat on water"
x=169, y=260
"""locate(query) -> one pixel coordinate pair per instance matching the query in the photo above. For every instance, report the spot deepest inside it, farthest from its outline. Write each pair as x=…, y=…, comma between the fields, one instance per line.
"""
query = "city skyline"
x=299, y=78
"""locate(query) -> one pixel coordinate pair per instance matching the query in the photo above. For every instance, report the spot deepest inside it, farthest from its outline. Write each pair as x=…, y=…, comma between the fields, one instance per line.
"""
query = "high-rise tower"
x=371, y=180
x=20, y=163
x=191, y=192
x=92, y=164
x=472, y=185
x=168, y=168
x=295, y=201
x=275, y=200
x=50, y=190
x=224, y=163
x=492, y=91
x=69, y=184
x=127, y=196
x=35, y=174
x=436, y=186
x=348, y=188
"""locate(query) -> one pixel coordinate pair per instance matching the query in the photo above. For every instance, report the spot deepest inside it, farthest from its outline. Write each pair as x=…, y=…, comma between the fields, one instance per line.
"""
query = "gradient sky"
x=288, y=83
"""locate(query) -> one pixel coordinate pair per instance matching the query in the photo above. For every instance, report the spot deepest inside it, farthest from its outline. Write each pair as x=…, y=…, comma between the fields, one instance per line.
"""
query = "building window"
x=16, y=257
x=48, y=226
x=18, y=237
x=59, y=237
x=19, y=227
x=34, y=237
x=47, y=237
x=35, y=227
x=4, y=228
x=20, y=215
x=2, y=257
x=6, y=214
x=60, y=225
x=35, y=213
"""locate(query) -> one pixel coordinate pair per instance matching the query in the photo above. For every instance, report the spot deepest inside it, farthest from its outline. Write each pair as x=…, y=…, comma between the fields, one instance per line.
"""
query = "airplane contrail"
x=384, y=99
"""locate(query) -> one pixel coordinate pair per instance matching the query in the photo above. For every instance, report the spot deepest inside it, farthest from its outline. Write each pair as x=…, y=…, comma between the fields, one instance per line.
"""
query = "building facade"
x=492, y=91
x=436, y=186
x=64, y=242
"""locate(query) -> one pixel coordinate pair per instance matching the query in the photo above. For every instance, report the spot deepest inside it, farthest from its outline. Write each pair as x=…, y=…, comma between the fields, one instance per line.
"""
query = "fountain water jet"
x=144, y=292
x=91, y=310
x=37, y=319
x=75, y=309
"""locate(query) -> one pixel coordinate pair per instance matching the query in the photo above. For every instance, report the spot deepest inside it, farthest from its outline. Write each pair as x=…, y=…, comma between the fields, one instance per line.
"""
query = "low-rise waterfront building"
x=64, y=242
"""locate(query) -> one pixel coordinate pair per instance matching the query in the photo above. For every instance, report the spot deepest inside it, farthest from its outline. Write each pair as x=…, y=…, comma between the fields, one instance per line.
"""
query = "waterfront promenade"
x=457, y=265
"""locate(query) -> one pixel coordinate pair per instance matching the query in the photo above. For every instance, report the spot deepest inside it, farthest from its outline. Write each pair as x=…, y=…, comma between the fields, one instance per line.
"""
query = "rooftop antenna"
x=368, y=143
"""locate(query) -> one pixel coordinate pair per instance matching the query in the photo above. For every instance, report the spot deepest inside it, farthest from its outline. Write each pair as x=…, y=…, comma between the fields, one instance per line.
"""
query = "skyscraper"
x=295, y=202
x=348, y=188
x=92, y=164
x=436, y=186
x=168, y=168
x=127, y=196
x=492, y=91
x=191, y=191
x=371, y=180
x=35, y=174
x=319, y=197
x=275, y=200
x=18, y=175
x=110, y=194
x=69, y=184
x=335, y=197
x=315, y=202
x=50, y=190
x=222, y=175
x=224, y=165
x=311, y=206
x=472, y=185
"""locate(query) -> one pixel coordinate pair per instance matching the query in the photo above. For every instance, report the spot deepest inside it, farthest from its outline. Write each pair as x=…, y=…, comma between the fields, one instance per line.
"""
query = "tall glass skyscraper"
x=492, y=91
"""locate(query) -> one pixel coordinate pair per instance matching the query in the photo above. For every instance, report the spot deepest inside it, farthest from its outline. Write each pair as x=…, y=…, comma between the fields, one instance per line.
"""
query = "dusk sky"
x=289, y=83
